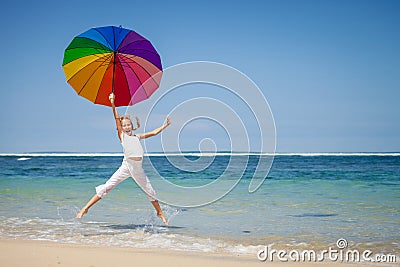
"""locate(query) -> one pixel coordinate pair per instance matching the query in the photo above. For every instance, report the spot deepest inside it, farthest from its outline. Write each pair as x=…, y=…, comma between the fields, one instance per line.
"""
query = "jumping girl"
x=132, y=163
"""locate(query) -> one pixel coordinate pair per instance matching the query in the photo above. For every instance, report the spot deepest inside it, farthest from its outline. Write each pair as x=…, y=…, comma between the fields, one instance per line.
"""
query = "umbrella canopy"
x=112, y=59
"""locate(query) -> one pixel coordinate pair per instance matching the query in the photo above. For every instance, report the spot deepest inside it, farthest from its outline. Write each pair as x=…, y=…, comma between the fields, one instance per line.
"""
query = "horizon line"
x=195, y=153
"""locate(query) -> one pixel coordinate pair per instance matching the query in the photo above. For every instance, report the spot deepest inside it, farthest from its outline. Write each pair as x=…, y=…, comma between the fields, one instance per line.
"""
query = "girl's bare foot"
x=81, y=213
x=162, y=217
x=159, y=211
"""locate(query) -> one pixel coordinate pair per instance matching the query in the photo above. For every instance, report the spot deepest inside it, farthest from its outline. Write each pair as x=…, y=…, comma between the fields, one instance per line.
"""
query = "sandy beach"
x=41, y=253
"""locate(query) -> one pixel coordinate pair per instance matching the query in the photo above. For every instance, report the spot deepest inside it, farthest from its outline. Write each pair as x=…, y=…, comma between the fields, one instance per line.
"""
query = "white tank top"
x=132, y=146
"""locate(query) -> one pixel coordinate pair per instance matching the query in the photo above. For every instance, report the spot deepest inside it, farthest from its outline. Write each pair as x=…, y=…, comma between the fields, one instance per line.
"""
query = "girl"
x=131, y=164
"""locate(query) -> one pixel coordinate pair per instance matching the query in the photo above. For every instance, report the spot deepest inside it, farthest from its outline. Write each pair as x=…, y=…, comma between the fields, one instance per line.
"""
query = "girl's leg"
x=85, y=209
x=137, y=173
x=160, y=214
x=119, y=175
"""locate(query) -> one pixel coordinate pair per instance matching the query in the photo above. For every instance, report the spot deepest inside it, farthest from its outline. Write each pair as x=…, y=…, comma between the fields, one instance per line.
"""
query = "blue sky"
x=330, y=70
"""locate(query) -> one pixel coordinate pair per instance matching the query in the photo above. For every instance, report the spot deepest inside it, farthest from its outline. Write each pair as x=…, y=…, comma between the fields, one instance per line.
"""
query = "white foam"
x=148, y=236
x=23, y=158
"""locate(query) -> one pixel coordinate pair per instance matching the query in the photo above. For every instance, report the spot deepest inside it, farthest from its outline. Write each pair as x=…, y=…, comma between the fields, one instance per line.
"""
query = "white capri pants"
x=128, y=168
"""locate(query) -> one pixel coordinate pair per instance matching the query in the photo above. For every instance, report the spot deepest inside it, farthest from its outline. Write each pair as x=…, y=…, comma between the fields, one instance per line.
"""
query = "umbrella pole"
x=113, y=72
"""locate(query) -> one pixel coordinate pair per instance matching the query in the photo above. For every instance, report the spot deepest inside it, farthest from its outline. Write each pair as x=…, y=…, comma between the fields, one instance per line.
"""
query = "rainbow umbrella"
x=112, y=59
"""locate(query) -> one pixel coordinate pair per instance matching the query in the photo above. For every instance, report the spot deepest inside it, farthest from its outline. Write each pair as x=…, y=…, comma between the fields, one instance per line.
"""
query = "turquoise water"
x=307, y=201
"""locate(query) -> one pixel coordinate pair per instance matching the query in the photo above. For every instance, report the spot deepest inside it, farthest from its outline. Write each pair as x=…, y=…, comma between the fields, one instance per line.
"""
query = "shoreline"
x=18, y=252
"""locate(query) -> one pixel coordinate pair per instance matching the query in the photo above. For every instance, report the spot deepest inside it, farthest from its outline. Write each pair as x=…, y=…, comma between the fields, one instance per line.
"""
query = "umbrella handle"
x=111, y=97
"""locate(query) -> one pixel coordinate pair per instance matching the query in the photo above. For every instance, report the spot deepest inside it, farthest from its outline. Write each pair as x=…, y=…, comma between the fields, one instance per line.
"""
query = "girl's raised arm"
x=116, y=116
x=156, y=131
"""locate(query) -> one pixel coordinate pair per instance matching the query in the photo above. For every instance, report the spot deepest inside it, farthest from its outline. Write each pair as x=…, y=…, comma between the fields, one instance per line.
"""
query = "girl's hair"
x=127, y=117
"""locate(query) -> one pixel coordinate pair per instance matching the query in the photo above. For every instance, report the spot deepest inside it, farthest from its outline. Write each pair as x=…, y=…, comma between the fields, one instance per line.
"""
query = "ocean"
x=308, y=201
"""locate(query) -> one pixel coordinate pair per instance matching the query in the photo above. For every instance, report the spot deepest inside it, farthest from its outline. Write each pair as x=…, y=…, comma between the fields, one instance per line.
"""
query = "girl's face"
x=127, y=126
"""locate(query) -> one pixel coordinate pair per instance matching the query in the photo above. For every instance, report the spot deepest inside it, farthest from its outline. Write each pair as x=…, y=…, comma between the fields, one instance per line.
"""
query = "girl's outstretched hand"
x=112, y=98
x=168, y=122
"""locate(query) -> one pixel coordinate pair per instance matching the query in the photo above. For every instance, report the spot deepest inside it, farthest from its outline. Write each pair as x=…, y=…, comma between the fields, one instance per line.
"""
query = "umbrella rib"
x=134, y=74
x=105, y=56
x=98, y=50
x=128, y=58
x=86, y=46
x=151, y=76
x=105, y=38
x=121, y=49
x=84, y=85
x=126, y=80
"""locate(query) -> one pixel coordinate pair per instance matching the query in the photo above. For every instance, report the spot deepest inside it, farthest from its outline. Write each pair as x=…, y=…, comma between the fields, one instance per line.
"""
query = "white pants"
x=128, y=168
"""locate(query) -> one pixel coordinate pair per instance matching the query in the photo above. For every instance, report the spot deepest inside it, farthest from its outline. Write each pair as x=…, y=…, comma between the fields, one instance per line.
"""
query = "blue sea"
x=308, y=201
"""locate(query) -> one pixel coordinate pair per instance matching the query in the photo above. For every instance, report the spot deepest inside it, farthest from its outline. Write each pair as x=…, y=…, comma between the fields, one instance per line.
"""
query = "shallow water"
x=307, y=201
